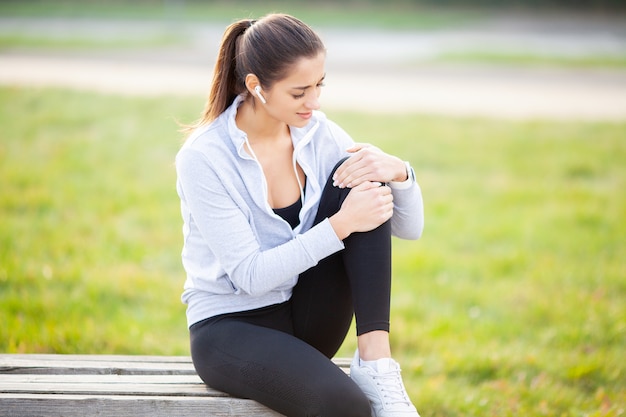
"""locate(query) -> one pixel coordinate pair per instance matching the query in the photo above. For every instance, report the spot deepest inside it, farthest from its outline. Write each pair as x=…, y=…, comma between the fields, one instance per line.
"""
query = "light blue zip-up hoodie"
x=238, y=254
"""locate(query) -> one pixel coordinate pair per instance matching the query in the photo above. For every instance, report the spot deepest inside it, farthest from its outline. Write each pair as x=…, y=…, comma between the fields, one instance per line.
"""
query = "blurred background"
x=513, y=114
x=504, y=58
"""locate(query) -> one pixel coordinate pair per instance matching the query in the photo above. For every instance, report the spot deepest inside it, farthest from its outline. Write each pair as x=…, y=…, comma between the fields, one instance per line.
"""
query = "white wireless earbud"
x=257, y=90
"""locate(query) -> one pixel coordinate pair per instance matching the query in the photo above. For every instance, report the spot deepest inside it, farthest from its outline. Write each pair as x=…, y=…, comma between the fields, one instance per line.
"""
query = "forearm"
x=341, y=225
x=256, y=272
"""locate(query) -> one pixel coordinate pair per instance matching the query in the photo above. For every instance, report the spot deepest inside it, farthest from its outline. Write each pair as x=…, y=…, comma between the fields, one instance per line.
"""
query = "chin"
x=300, y=123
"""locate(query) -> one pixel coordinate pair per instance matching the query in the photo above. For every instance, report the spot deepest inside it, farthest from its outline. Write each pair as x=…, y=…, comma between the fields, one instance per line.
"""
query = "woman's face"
x=293, y=99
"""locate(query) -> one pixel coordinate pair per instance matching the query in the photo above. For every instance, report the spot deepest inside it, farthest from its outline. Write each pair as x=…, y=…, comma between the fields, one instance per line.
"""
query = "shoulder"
x=202, y=148
x=205, y=135
x=210, y=140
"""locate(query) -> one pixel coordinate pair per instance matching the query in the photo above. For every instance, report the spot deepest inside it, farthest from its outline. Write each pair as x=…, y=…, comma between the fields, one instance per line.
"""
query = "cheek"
x=285, y=107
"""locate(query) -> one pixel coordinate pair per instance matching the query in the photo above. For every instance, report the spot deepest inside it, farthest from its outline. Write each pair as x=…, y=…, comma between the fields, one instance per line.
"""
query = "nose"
x=313, y=102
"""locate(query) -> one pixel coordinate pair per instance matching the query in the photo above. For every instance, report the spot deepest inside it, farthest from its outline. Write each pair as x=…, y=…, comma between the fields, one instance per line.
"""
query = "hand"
x=369, y=163
x=366, y=207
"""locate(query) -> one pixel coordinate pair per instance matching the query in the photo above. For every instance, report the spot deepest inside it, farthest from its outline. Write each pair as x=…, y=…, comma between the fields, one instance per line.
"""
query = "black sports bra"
x=291, y=214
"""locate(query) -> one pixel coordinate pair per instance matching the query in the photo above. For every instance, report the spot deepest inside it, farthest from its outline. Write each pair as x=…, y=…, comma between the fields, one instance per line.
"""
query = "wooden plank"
x=41, y=405
x=101, y=379
x=67, y=365
x=173, y=385
x=174, y=390
x=103, y=364
x=78, y=359
x=114, y=385
x=343, y=363
x=97, y=358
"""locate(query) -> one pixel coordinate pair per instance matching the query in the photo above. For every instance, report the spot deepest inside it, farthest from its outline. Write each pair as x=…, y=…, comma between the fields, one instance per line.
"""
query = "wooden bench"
x=113, y=385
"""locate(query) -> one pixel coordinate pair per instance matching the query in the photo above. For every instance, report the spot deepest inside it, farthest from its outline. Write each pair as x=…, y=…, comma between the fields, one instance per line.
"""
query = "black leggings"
x=279, y=355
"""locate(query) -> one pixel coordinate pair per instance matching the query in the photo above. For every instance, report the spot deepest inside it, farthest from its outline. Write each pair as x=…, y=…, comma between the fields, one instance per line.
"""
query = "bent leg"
x=357, y=279
x=367, y=260
x=322, y=306
x=274, y=368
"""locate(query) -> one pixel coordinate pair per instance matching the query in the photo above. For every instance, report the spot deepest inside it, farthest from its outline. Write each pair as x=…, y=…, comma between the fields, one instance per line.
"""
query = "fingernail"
x=334, y=183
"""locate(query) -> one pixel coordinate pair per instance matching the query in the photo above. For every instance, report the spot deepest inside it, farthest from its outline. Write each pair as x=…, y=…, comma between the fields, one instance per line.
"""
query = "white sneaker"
x=383, y=386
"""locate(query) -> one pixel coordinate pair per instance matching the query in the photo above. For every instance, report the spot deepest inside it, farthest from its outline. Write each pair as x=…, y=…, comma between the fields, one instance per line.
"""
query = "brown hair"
x=265, y=48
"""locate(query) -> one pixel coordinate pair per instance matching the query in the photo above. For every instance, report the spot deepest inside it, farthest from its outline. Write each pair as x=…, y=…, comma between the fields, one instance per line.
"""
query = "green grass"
x=89, y=224
x=512, y=303
x=72, y=42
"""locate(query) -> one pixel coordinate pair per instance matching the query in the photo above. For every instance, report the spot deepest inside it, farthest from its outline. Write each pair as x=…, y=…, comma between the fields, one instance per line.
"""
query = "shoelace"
x=391, y=386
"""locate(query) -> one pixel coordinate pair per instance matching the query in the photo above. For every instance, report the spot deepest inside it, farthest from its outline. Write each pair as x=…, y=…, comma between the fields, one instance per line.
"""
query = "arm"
x=369, y=163
x=223, y=223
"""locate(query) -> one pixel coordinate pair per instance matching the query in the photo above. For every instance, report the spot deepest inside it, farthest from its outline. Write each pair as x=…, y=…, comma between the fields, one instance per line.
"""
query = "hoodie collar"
x=299, y=135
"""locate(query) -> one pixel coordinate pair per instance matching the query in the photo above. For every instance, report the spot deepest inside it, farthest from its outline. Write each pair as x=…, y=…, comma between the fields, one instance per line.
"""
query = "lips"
x=305, y=116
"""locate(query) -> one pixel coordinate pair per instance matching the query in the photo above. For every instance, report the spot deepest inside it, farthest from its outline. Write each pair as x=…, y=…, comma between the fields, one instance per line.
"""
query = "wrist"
x=403, y=172
x=408, y=178
x=407, y=173
x=340, y=225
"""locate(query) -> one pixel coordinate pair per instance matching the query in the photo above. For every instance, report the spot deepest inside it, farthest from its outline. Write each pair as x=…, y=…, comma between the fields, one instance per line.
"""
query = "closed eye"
x=318, y=85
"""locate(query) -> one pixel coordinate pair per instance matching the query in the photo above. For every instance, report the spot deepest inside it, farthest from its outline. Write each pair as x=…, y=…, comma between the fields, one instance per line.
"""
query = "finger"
x=390, y=214
x=357, y=176
x=365, y=185
x=340, y=178
x=357, y=147
x=339, y=173
x=374, y=186
x=346, y=164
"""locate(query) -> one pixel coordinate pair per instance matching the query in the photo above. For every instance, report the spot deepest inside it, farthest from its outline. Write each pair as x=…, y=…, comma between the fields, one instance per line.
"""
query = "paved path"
x=367, y=70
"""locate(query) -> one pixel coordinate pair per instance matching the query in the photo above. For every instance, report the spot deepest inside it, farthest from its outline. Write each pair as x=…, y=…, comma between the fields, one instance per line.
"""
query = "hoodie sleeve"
x=407, y=221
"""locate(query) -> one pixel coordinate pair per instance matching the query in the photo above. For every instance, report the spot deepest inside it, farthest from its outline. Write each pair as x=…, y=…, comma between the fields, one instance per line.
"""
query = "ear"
x=251, y=82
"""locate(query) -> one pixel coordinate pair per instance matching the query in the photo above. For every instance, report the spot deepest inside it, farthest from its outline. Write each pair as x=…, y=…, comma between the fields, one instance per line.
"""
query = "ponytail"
x=225, y=86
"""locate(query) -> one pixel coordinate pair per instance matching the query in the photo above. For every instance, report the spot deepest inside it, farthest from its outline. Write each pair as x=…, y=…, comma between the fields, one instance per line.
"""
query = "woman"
x=287, y=233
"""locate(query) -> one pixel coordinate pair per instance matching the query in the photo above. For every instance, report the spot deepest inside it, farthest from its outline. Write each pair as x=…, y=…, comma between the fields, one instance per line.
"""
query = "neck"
x=258, y=125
